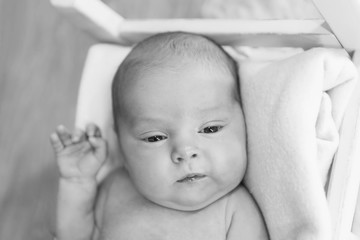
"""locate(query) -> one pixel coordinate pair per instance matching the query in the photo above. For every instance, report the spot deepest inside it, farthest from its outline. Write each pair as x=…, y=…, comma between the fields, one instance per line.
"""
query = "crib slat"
x=93, y=16
x=264, y=33
x=108, y=26
x=343, y=18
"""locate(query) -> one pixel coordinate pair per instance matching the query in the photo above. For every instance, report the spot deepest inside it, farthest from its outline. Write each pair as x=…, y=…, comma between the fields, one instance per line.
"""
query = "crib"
x=337, y=29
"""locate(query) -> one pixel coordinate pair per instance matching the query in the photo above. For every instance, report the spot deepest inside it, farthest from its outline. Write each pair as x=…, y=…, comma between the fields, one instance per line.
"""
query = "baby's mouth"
x=191, y=178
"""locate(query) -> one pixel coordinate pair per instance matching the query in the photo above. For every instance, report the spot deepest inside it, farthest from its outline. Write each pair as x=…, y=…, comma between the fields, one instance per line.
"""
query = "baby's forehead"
x=172, y=49
x=175, y=67
x=147, y=73
x=168, y=60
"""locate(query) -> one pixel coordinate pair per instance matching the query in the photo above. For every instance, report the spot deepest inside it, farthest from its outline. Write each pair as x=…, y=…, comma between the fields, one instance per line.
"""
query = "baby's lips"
x=191, y=177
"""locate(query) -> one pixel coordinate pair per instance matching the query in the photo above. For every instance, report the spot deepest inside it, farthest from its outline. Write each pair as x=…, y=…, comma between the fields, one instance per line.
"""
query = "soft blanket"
x=293, y=110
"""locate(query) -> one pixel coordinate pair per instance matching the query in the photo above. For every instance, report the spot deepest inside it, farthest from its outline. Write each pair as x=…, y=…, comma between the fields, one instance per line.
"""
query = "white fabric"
x=293, y=110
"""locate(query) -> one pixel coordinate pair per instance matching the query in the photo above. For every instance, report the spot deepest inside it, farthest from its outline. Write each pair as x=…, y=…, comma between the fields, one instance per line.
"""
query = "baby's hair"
x=159, y=52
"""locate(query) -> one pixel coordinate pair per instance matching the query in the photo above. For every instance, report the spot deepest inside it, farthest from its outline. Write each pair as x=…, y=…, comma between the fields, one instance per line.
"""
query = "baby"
x=182, y=138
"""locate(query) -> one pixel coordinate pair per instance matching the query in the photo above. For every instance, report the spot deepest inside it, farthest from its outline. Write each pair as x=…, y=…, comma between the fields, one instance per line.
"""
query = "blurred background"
x=41, y=60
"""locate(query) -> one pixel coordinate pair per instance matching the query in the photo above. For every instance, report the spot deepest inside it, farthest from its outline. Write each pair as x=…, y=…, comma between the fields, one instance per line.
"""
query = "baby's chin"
x=190, y=204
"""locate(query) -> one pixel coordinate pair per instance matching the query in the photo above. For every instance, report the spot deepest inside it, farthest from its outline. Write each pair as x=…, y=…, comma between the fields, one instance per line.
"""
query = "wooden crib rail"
x=343, y=18
x=108, y=26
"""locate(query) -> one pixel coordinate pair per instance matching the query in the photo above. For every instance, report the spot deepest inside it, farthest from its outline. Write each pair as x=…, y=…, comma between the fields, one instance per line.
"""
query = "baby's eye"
x=155, y=138
x=211, y=129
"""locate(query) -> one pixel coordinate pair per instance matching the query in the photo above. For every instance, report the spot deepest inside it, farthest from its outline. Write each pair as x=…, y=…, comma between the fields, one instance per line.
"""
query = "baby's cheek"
x=235, y=162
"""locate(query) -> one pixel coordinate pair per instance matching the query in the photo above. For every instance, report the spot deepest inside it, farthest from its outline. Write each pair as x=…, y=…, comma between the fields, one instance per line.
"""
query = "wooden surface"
x=343, y=18
x=105, y=24
x=41, y=58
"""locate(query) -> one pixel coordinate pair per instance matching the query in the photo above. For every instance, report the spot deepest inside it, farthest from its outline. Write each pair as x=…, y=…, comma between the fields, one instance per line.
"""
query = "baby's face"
x=183, y=136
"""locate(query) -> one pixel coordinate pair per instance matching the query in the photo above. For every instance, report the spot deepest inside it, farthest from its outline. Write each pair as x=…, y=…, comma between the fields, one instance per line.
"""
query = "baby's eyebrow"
x=143, y=121
x=199, y=112
x=214, y=108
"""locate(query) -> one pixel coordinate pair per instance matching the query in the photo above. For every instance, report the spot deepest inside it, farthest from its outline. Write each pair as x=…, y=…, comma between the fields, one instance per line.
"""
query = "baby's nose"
x=185, y=154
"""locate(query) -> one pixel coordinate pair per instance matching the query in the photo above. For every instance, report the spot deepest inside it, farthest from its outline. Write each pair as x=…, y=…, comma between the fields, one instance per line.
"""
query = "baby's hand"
x=81, y=154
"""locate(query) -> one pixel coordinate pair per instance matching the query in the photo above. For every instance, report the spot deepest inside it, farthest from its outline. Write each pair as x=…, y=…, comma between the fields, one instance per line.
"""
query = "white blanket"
x=293, y=110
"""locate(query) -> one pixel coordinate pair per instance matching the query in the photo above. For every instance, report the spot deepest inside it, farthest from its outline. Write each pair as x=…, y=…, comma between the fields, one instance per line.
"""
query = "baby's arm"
x=79, y=157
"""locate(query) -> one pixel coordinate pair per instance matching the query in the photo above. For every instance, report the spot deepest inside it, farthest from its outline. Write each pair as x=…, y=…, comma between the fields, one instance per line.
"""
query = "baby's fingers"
x=56, y=142
x=100, y=148
x=93, y=130
x=64, y=135
x=78, y=136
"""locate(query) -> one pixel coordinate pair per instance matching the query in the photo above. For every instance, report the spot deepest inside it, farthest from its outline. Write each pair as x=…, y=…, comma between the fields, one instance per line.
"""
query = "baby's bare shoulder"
x=244, y=216
x=113, y=192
